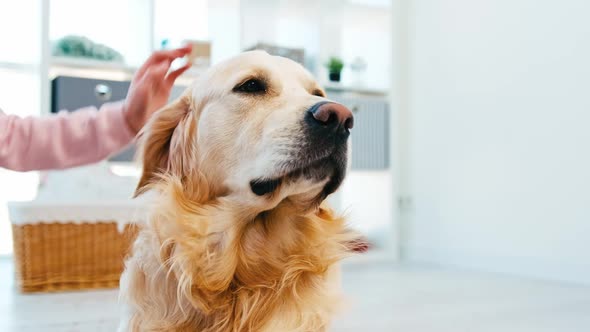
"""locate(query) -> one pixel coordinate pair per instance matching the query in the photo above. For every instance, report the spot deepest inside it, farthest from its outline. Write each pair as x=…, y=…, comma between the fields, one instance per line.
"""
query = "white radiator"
x=370, y=135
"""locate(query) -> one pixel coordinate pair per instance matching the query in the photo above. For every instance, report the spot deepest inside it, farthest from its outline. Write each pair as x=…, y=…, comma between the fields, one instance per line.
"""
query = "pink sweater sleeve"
x=63, y=140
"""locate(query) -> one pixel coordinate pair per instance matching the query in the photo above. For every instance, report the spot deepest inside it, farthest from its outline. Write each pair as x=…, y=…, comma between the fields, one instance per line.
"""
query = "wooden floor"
x=384, y=297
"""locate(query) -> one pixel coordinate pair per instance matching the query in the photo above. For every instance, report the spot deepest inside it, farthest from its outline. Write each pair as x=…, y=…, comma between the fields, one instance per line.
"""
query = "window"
x=121, y=25
x=20, y=25
x=19, y=94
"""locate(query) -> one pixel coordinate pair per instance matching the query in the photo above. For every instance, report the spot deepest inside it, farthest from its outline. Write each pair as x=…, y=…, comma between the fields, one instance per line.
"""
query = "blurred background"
x=470, y=172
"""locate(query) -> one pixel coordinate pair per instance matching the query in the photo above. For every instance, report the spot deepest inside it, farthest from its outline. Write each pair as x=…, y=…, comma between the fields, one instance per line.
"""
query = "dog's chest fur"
x=203, y=267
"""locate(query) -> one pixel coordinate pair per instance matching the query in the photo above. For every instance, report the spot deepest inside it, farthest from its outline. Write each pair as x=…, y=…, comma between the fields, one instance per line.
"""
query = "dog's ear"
x=161, y=142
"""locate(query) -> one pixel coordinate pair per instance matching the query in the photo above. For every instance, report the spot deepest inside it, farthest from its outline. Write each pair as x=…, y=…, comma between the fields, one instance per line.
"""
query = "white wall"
x=325, y=28
x=364, y=199
x=499, y=136
x=365, y=31
x=224, y=28
x=293, y=24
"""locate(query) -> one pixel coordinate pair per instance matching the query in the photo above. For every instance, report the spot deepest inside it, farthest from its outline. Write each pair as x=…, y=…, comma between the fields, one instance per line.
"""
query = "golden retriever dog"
x=239, y=237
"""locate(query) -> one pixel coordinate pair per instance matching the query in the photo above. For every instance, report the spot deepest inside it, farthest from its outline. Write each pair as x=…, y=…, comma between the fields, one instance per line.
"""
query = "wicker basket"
x=67, y=256
x=67, y=253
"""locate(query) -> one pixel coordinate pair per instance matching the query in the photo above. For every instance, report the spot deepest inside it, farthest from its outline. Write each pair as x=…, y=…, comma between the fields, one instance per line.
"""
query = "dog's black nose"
x=331, y=116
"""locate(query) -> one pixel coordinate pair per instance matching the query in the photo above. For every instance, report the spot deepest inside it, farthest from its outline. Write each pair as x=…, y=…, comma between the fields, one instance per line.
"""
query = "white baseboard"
x=519, y=266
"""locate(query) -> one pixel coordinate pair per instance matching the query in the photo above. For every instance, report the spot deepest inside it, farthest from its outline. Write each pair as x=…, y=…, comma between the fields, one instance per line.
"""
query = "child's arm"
x=87, y=136
x=64, y=140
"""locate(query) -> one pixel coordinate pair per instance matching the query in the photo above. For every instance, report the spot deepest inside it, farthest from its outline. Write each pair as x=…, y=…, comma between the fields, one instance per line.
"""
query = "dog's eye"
x=251, y=86
x=318, y=92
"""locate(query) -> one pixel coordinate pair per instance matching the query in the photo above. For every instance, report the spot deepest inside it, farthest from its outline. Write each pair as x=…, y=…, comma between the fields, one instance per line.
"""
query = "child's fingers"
x=172, y=76
x=169, y=54
x=166, y=56
x=157, y=73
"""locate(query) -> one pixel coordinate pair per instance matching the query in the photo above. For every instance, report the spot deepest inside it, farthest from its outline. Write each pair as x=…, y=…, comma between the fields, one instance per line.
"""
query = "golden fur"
x=213, y=257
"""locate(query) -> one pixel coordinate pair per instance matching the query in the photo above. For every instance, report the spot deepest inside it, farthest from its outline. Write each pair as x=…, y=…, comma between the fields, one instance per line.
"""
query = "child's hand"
x=150, y=87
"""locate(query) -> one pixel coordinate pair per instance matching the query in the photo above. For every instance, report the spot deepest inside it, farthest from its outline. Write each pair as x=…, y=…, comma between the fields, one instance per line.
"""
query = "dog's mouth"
x=332, y=167
x=262, y=187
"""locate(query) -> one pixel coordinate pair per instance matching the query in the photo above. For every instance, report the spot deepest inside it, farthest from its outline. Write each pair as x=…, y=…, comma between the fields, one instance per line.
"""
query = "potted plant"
x=334, y=66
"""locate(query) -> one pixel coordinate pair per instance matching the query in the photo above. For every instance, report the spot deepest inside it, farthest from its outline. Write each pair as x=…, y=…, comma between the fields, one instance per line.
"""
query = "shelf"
x=90, y=68
x=82, y=63
x=361, y=90
x=96, y=69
